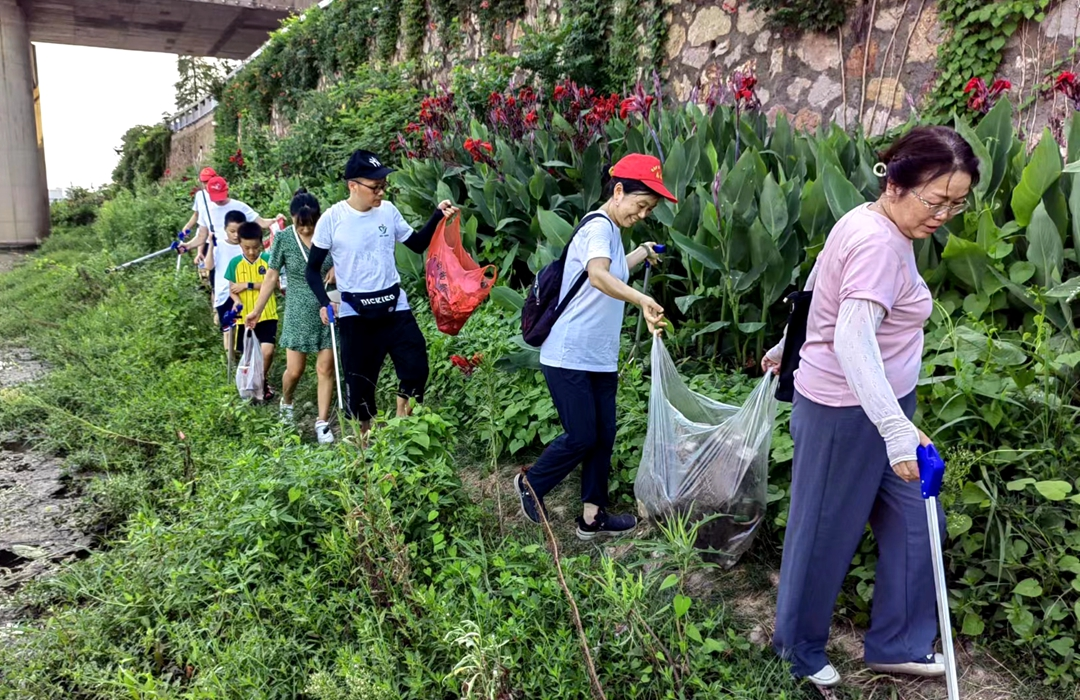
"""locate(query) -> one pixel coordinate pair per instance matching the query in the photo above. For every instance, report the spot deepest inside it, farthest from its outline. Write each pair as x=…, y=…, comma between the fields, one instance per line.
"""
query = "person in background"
x=246, y=274
x=302, y=332
x=580, y=357
x=855, y=443
x=225, y=248
x=199, y=203
x=360, y=234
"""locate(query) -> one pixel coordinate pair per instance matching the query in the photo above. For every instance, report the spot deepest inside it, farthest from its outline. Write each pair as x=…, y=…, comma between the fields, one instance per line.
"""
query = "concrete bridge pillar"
x=24, y=195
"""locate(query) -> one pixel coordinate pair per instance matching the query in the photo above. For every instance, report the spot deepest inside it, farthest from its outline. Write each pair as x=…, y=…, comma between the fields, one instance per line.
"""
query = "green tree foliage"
x=199, y=77
x=144, y=155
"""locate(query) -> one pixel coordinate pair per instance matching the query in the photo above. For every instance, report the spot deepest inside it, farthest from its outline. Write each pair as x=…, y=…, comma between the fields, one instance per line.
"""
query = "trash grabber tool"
x=172, y=248
x=659, y=249
x=931, y=473
x=230, y=319
x=333, y=346
x=179, y=256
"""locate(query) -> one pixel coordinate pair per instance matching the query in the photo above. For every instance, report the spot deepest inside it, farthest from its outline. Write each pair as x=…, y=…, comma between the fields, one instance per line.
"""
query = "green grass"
x=245, y=562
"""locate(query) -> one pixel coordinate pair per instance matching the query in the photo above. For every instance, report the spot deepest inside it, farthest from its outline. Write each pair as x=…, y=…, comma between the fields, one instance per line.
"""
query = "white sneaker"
x=933, y=666
x=285, y=411
x=323, y=433
x=826, y=677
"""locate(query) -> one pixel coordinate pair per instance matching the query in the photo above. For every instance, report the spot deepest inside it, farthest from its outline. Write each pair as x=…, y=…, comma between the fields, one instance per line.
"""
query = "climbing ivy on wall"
x=979, y=30
x=804, y=15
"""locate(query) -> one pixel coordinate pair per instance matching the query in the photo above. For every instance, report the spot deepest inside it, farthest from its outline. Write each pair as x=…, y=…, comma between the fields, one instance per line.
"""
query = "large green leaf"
x=1042, y=171
x=840, y=193
x=1073, y=152
x=591, y=177
x=507, y=298
x=966, y=260
x=555, y=229
x=1074, y=210
x=1045, y=250
x=774, y=208
x=986, y=162
x=996, y=132
x=705, y=255
x=815, y=217
x=743, y=182
x=1052, y=313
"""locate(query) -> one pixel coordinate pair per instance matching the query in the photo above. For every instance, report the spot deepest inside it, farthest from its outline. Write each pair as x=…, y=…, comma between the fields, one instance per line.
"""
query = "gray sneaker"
x=932, y=666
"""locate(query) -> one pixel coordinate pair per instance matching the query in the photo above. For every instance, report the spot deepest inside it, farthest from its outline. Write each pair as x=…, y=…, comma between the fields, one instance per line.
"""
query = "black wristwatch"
x=251, y=285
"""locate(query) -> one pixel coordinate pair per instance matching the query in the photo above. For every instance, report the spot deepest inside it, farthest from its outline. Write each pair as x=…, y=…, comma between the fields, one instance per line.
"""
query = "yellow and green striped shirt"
x=242, y=272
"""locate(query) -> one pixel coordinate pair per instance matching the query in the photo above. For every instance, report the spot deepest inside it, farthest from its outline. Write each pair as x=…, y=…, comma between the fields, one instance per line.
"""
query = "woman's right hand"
x=653, y=312
x=252, y=319
x=770, y=364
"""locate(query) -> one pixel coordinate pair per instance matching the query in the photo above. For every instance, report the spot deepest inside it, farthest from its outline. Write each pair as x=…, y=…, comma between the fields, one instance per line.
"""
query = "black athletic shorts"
x=265, y=332
x=365, y=343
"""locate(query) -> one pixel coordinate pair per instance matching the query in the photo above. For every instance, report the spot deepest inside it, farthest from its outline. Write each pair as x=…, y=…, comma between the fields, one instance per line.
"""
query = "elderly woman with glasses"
x=851, y=420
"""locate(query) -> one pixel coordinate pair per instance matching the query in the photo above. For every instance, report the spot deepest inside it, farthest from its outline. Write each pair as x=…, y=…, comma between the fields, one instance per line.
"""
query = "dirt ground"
x=9, y=259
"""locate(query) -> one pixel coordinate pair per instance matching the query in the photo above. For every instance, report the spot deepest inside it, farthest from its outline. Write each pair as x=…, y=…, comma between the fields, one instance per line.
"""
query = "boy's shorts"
x=265, y=332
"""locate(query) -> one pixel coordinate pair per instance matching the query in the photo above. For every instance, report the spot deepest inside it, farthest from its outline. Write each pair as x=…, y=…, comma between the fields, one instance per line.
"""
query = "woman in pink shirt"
x=851, y=419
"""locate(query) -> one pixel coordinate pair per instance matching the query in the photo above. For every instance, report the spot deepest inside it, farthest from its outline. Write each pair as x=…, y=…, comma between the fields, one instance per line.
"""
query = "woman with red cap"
x=580, y=357
x=205, y=175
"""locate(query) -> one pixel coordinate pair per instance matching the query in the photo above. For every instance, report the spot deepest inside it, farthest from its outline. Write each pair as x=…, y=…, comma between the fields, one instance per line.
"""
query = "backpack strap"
x=580, y=281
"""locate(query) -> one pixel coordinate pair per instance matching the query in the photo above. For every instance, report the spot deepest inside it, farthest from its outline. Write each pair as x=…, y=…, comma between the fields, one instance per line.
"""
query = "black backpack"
x=798, y=314
x=542, y=307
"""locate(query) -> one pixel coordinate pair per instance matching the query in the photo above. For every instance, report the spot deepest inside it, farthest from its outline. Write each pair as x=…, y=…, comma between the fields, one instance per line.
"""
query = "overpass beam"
x=24, y=195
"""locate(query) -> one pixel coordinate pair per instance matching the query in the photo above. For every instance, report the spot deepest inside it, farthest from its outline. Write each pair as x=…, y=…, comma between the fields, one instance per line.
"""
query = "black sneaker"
x=528, y=504
x=605, y=524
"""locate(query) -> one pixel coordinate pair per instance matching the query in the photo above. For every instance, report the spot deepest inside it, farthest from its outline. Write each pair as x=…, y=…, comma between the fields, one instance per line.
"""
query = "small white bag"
x=249, y=373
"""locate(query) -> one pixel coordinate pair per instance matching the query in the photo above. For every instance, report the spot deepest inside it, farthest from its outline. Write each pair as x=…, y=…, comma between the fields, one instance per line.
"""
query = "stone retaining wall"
x=192, y=146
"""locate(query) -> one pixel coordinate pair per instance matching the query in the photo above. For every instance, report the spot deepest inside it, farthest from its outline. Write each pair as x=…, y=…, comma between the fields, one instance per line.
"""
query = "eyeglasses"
x=379, y=188
x=939, y=210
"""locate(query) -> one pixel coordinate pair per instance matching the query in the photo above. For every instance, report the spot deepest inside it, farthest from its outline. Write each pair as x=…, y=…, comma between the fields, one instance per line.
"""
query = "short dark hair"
x=304, y=208
x=926, y=153
x=629, y=185
x=250, y=231
x=234, y=216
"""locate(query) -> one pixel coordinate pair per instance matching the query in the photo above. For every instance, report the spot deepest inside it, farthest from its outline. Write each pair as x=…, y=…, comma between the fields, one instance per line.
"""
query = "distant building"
x=56, y=194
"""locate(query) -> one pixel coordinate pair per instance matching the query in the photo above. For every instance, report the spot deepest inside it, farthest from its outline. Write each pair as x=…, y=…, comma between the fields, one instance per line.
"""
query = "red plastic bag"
x=456, y=284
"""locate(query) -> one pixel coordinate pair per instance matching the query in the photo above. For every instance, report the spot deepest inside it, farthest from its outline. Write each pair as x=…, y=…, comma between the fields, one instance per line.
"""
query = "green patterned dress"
x=302, y=328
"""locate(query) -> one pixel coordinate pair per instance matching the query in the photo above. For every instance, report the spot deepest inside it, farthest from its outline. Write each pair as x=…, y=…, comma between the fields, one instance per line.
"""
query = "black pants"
x=364, y=346
x=586, y=405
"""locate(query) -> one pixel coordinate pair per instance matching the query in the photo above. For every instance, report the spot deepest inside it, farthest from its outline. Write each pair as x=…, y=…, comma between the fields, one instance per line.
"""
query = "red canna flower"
x=461, y=363
x=981, y=99
x=1068, y=85
x=531, y=119
x=558, y=95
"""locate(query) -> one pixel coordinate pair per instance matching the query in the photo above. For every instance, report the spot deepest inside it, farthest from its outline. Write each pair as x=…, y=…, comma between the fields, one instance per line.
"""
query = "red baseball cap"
x=206, y=174
x=645, y=169
x=218, y=189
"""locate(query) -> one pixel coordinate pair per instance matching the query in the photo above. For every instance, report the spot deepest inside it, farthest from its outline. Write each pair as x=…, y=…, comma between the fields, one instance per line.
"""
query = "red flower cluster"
x=588, y=113
x=637, y=103
x=1069, y=85
x=237, y=159
x=467, y=366
x=514, y=113
x=424, y=138
x=480, y=151
x=437, y=112
x=983, y=99
x=742, y=85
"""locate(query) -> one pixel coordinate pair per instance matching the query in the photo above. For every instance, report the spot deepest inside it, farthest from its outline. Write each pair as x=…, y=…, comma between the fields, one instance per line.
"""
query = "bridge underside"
x=219, y=28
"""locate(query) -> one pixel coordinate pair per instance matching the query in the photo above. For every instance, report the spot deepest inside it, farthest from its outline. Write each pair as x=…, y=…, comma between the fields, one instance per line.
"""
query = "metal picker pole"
x=144, y=258
x=660, y=250
x=179, y=256
x=333, y=345
x=931, y=473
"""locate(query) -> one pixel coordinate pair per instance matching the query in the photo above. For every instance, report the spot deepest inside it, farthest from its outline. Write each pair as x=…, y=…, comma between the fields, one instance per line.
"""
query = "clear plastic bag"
x=249, y=373
x=705, y=458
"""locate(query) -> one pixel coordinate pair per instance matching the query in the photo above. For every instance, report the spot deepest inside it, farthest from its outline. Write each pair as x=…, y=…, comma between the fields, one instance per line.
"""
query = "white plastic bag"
x=249, y=373
x=703, y=457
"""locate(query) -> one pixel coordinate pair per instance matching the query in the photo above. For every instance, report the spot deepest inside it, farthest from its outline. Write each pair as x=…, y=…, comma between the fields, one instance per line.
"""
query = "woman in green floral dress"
x=303, y=332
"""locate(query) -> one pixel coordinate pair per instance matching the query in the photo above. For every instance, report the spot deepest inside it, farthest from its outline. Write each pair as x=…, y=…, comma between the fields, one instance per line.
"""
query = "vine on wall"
x=976, y=46
x=804, y=15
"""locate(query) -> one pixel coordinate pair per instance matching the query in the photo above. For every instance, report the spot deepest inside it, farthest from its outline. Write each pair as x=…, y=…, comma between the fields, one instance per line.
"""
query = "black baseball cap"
x=367, y=165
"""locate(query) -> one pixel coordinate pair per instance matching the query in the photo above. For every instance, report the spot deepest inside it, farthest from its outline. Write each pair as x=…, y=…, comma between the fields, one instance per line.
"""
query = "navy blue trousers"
x=841, y=479
x=586, y=405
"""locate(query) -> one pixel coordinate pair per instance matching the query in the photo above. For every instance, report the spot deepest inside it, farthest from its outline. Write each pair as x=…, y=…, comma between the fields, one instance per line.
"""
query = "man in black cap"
x=359, y=234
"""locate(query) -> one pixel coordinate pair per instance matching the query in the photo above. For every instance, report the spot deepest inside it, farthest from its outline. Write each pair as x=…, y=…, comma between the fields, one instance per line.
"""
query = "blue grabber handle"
x=931, y=470
x=234, y=313
x=330, y=313
x=659, y=249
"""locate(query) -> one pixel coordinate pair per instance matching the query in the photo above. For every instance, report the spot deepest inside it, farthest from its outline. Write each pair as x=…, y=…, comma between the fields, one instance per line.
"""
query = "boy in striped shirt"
x=245, y=274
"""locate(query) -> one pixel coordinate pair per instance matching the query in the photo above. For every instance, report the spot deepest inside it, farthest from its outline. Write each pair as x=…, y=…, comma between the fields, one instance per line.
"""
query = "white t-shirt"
x=225, y=251
x=361, y=244
x=586, y=336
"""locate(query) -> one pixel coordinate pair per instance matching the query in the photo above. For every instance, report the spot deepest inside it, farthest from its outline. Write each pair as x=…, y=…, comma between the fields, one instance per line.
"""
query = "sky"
x=89, y=98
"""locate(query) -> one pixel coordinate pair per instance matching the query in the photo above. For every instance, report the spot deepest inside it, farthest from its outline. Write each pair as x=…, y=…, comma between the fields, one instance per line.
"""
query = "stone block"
x=696, y=56
x=1062, y=20
x=818, y=51
x=927, y=37
x=823, y=92
x=709, y=24
x=796, y=88
x=886, y=92
x=675, y=41
x=807, y=120
x=776, y=61
x=761, y=43
x=749, y=21
x=888, y=18
x=853, y=66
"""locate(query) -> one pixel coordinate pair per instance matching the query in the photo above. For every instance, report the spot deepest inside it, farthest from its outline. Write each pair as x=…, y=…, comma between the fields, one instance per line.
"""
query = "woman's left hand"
x=447, y=208
x=330, y=278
